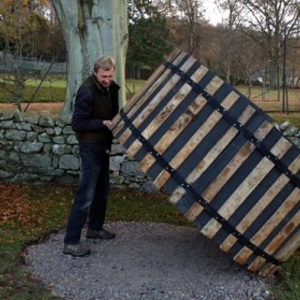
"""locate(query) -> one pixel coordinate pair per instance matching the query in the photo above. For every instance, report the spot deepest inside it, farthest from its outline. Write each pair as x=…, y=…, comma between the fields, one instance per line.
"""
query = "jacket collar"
x=100, y=87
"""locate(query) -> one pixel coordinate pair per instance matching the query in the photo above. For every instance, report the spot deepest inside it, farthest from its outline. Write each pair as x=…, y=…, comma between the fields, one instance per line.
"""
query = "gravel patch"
x=146, y=261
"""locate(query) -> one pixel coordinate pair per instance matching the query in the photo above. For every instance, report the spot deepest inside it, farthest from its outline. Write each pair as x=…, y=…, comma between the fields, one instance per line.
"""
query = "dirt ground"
x=53, y=108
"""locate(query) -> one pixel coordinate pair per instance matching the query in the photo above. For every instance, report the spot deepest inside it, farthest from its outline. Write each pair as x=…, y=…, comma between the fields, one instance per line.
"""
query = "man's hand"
x=108, y=124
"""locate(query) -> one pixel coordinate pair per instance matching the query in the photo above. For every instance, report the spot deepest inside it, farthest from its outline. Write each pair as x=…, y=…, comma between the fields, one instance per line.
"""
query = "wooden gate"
x=220, y=158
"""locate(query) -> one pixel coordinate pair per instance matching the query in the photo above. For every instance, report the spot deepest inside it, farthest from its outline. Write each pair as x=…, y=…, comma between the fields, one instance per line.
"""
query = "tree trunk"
x=92, y=28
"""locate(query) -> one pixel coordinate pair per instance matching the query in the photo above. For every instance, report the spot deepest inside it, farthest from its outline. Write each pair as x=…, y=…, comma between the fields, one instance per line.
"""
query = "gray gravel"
x=146, y=261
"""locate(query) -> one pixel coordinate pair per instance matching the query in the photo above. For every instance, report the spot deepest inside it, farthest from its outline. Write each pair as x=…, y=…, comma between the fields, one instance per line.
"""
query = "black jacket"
x=93, y=104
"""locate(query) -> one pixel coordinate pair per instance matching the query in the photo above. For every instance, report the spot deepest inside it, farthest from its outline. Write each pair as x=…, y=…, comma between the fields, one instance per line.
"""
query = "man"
x=96, y=104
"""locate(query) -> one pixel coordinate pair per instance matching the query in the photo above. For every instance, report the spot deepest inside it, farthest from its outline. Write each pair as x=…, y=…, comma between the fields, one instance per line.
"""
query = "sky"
x=212, y=13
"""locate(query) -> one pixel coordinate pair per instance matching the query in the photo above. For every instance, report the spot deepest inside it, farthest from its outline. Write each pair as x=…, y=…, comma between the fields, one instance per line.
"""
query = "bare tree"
x=14, y=24
x=91, y=29
x=228, y=37
x=293, y=60
x=250, y=61
x=269, y=23
x=188, y=15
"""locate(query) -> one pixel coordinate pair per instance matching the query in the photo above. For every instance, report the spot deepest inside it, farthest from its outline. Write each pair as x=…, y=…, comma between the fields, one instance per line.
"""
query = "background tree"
x=293, y=60
x=229, y=38
x=267, y=23
x=49, y=37
x=25, y=37
x=185, y=18
x=20, y=21
x=23, y=25
x=148, y=36
x=91, y=29
x=249, y=63
x=253, y=38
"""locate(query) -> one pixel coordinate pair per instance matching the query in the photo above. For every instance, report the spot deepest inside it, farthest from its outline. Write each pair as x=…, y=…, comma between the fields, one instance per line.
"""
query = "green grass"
x=257, y=93
x=287, y=284
x=133, y=86
x=53, y=90
x=269, y=102
x=139, y=207
x=45, y=94
x=279, y=118
x=55, y=82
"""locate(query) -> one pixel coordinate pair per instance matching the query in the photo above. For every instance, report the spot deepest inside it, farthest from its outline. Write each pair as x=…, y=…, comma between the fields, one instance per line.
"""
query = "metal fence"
x=32, y=65
x=41, y=70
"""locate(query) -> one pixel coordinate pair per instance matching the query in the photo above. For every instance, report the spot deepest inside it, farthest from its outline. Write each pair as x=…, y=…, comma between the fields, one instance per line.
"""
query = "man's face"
x=105, y=77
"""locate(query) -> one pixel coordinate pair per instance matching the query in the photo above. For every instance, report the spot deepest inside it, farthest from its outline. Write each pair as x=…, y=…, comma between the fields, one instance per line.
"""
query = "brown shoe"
x=100, y=234
x=76, y=250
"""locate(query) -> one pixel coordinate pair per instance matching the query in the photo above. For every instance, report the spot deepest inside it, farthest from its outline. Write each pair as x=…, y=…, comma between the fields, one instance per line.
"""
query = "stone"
x=8, y=115
x=6, y=124
x=32, y=119
x=68, y=130
x=57, y=130
x=46, y=121
x=2, y=154
x=131, y=168
x=149, y=187
x=44, y=137
x=71, y=139
x=24, y=126
x=59, y=139
x=115, y=162
x=117, y=149
x=14, y=159
x=4, y=174
x=69, y=162
x=29, y=147
x=38, y=161
x=31, y=136
x=15, y=135
x=61, y=149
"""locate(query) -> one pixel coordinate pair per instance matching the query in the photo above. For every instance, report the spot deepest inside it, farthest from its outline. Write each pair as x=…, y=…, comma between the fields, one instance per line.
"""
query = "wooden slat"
x=197, y=137
x=242, y=256
x=155, y=101
x=225, y=174
x=285, y=253
x=175, y=130
x=246, y=187
x=235, y=163
x=214, y=85
x=167, y=111
x=178, y=127
x=259, y=261
x=160, y=74
x=210, y=157
x=186, y=150
x=263, y=202
x=270, y=269
x=287, y=250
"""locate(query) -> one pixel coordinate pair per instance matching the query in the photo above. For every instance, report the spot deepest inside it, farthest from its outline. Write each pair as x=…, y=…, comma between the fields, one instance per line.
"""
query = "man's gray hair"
x=105, y=63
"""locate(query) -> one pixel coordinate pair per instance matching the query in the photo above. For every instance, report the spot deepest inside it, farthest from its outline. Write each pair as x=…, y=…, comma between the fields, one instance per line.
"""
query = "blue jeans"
x=91, y=198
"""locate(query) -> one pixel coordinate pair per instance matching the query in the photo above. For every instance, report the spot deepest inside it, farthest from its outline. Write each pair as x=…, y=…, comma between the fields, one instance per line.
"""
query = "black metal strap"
x=231, y=120
x=192, y=193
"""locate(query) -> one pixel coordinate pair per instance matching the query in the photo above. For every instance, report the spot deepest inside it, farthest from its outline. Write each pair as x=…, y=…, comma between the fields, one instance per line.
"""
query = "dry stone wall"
x=41, y=148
